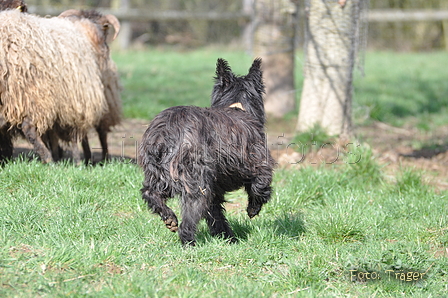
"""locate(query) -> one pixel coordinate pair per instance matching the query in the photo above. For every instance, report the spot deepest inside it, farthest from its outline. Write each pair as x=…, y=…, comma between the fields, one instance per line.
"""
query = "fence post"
x=125, y=36
x=444, y=5
x=248, y=31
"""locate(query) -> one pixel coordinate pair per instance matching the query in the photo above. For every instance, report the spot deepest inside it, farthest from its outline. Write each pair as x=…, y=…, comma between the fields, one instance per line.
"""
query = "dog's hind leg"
x=157, y=203
x=259, y=192
x=193, y=209
x=216, y=220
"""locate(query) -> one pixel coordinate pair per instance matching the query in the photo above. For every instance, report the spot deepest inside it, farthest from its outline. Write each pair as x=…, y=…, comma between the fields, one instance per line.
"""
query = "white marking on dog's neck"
x=237, y=105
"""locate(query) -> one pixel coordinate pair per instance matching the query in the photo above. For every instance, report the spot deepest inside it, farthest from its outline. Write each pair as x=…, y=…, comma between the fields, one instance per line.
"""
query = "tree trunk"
x=274, y=43
x=330, y=56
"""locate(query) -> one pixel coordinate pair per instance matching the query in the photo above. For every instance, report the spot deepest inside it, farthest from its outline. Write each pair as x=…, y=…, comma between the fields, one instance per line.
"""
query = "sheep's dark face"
x=13, y=4
x=104, y=24
x=99, y=20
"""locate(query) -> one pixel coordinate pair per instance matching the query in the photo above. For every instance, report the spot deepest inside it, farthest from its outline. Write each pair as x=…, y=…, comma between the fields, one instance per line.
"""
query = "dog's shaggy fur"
x=202, y=153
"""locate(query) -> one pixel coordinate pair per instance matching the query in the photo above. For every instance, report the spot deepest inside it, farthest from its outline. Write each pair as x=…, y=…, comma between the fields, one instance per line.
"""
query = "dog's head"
x=247, y=90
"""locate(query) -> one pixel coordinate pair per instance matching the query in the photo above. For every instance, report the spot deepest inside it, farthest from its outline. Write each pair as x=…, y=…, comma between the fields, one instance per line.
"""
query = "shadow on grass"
x=240, y=229
x=289, y=224
x=428, y=151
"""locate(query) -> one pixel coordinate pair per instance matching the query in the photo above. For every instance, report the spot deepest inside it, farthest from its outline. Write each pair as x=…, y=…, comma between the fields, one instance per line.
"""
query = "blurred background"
x=399, y=25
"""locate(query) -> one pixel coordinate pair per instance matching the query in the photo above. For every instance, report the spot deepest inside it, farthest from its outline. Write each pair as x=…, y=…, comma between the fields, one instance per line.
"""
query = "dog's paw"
x=171, y=224
x=253, y=210
x=232, y=240
x=190, y=243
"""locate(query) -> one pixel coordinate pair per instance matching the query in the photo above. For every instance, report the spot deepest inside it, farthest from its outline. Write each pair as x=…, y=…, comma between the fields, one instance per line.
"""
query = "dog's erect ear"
x=224, y=74
x=255, y=72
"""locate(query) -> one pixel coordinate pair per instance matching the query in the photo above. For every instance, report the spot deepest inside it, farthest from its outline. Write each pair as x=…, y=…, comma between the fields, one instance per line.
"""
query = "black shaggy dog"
x=202, y=153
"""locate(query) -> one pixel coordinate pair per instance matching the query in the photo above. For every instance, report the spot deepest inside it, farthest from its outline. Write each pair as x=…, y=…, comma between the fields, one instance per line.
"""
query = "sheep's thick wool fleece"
x=49, y=73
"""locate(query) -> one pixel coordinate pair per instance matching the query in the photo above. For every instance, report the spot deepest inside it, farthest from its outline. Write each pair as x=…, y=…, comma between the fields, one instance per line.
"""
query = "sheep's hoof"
x=171, y=224
x=47, y=160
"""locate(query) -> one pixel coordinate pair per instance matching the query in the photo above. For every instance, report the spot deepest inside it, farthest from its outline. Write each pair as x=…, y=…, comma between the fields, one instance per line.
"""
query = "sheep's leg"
x=31, y=135
x=86, y=150
x=75, y=150
x=193, y=209
x=216, y=220
x=52, y=141
x=102, y=134
x=157, y=203
x=6, y=147
x=259, y=192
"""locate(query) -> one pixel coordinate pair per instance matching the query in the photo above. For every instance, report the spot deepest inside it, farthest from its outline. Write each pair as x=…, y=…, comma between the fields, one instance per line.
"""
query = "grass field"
x=85, y=232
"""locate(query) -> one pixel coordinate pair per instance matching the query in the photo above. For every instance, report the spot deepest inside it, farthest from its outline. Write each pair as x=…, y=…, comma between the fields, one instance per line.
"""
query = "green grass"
x=85, y=232
x=312, y=140
x=404, y=88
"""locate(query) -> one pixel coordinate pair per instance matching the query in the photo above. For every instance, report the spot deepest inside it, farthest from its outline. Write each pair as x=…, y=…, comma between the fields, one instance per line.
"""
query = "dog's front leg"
x=259, y=193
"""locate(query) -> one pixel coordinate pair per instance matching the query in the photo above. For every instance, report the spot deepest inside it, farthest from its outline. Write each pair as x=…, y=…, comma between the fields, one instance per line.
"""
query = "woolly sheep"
x=48, y=82
x=5, y=140
x=51, y=79
x=94, y=21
